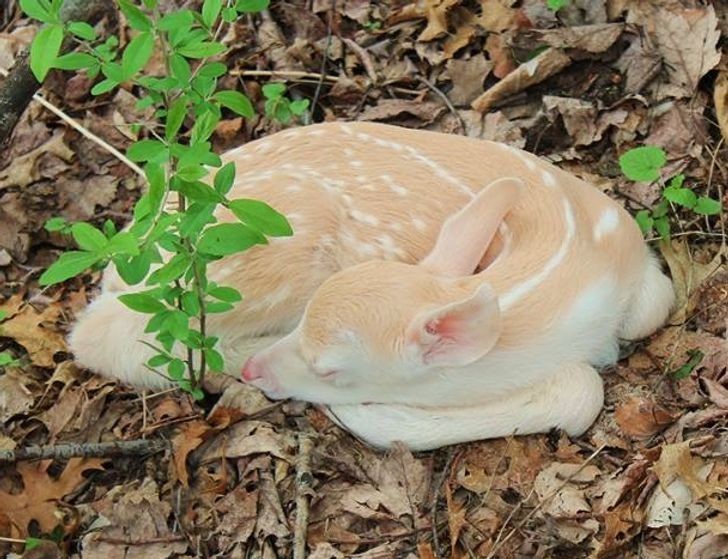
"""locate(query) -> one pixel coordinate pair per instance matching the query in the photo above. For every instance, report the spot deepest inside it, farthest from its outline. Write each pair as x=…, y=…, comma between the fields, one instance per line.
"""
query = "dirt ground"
x=648, y=480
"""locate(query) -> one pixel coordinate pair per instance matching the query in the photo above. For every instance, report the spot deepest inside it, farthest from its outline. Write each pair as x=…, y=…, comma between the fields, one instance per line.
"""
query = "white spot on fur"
x=362, y=217
x=316, y=132
x=349, y=152
x=293, y=188
x=608, y=223
x=522, y=289
x=393, y=186
x=356, y=163
x=549, y=179
x=419, y=224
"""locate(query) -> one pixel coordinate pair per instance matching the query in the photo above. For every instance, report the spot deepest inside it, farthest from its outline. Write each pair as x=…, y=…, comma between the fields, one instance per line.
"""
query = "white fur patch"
x=522, y=289
x=608, y=223
x=549, y=179
x=419, y=224
x=362, y=217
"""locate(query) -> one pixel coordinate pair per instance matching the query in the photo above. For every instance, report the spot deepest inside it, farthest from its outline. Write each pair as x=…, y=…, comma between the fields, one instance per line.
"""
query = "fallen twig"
x=84, y=450
x=303, y=491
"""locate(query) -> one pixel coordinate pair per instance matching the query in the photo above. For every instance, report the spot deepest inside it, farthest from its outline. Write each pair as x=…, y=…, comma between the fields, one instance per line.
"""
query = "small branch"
x=84, y=450
x=20, y=84
x=303, y=490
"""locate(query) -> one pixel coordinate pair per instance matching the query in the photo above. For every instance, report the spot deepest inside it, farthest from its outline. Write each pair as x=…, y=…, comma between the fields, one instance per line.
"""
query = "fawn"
x=437, y=288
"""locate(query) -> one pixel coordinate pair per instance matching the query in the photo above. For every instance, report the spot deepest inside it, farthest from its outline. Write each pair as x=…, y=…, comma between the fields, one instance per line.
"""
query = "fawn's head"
x=378, y=326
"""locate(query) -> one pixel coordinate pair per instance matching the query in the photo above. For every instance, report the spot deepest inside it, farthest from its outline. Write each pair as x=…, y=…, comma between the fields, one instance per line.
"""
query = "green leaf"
x=199, y=191
x=104, y=86
x=218, y=307
x=36, y=10
x=195, y=218
x=69, y=264
x=158, y=360
x=214, y=360
x=179, y=19
x=681, y=196
x=88, y=238
x=147, y=150
x=135, y=17
x=176, y=369
x=662, y=226
x=175, y=118
x=707, y=206
x=212, y=70
x=299, y=107
x=45, y=49
x=643, y=163
x=143, y=303
x=190, y=303
x=133, y=270
x=236, y=102
x=645, y=221
x=229, y=15
x=251, y=6
x=192, y=173
x=172, y=270
x=123, y=243
x=261, y=216
x=677, y=181
x=661, y=209
x=56, y=224
x=274, y=90
x=210, y=11
x=82, y=30
x=32, y=543
x=136, y=54
x=177, y=324
x=695, y=356
x=228, y=238
x=203, y=127
x=75, y=61
x=203, y=49
x=7, y=360
x=556, y=5
x=226, y=294
x=3, y=315
x=180, y=69
x=225, y=178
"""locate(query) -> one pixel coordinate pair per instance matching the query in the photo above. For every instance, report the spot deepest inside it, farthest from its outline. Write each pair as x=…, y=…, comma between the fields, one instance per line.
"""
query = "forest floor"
x=648, y=479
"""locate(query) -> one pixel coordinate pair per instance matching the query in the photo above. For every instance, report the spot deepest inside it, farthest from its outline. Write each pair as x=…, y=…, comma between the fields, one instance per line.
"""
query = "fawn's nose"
x=252, y=370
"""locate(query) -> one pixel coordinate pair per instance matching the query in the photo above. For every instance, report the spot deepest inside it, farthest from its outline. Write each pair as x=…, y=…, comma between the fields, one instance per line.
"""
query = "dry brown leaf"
x=640, y=63
x=36, y=501
x=16, y=393
x=463, y=22
x=496, y=15
x=237, y=511
x=543, y=66
x=687, y=41
x=191, y=435
x=641, y=417
x=676, y=460
x=589, y=38
x=562, y=498
x=620, y=526
x=34, y=330
x=251, y=437
x=717, y=525
x=436, y=14
x=500, y=55
x=720, y=98
x=687, y=275
x=387, y=109
x=136, y=514
x=28, y=168
x=717, y=393
x=467, y=78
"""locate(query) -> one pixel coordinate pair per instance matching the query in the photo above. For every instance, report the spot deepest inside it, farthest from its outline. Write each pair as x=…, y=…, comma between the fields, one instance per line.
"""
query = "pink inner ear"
x=445, y=327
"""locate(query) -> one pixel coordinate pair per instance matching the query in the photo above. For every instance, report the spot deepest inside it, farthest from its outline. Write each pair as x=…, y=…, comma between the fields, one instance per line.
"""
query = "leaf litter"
x=578, y=87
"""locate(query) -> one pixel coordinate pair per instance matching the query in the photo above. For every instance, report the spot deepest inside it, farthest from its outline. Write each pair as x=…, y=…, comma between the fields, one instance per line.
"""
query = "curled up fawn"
x=437, y=288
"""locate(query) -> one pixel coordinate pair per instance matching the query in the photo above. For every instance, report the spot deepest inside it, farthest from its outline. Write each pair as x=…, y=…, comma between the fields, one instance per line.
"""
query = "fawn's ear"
x=457, y=334
x=466, y=235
